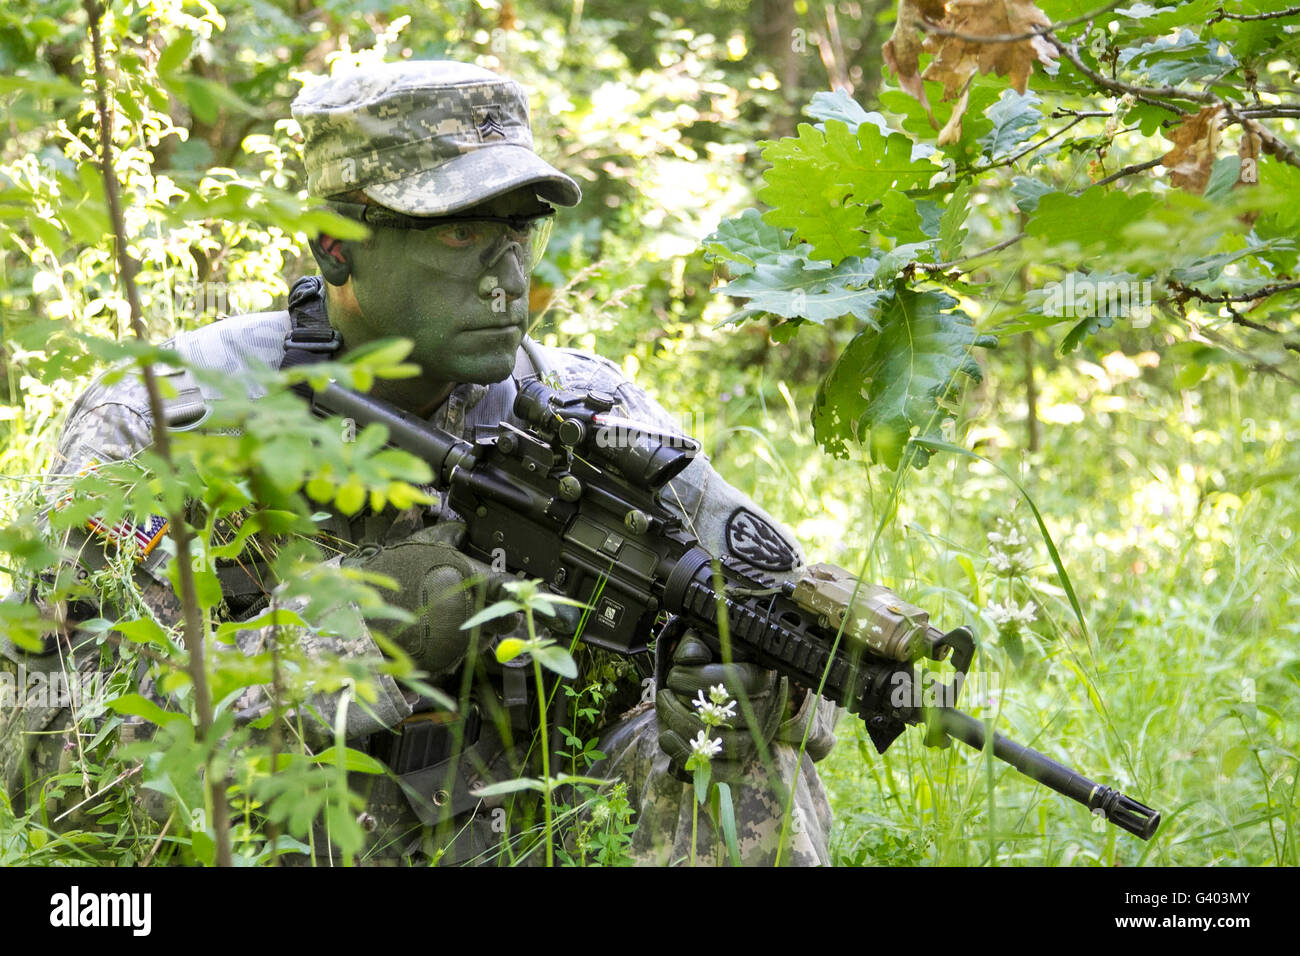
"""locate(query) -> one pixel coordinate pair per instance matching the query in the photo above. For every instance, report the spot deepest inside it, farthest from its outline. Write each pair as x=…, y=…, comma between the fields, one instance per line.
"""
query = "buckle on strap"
x=324, y=341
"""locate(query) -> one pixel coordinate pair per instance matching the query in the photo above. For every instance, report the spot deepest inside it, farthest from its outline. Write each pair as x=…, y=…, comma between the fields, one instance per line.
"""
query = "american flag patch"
x=145, y=535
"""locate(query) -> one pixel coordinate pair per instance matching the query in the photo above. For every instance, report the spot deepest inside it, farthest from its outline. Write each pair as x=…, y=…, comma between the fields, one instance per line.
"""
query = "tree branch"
x=1120, y=174
x=1017, y=37
x=1263, y=292
x=1275, y=15
x=944, y=266
x=181, y=535
x=1148, y=94
x=1008, y=160
x=1264, y=111
x=1268, y=141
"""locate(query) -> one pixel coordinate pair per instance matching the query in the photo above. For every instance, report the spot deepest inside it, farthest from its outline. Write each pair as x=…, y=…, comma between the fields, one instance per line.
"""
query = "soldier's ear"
x=333, y=258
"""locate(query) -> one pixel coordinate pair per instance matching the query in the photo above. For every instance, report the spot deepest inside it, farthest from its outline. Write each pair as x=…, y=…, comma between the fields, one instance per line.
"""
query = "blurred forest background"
x=1160, y=453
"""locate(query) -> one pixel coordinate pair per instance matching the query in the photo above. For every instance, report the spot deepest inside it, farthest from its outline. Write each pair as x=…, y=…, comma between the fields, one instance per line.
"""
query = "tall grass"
x=1177, y=522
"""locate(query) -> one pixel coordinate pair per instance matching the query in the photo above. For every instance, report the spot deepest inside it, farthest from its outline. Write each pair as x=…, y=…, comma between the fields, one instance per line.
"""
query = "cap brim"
x=473, y=178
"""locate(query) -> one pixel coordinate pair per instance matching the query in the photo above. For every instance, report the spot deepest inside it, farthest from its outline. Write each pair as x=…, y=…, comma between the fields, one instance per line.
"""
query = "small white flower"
x=1012, y=614
x=702, y=746
x=712, y=712
x=718, y=694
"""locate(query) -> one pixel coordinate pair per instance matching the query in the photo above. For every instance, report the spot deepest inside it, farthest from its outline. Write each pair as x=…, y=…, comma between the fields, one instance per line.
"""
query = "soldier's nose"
x=505, y=276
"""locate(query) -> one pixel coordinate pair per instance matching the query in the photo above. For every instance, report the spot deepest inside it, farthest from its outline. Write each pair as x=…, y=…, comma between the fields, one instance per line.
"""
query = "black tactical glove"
x=691, y=674
x=440, y=586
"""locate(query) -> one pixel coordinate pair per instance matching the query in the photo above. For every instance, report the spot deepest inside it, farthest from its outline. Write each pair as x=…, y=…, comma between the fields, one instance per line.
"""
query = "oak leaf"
x=1196, y=140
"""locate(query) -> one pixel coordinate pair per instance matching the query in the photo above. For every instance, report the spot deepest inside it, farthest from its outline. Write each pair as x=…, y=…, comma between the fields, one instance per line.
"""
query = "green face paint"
x=461, y=300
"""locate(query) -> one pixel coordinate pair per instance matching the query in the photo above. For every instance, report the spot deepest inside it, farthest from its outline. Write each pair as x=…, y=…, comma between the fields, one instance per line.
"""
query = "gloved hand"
x=693, y=672
x=442, y=587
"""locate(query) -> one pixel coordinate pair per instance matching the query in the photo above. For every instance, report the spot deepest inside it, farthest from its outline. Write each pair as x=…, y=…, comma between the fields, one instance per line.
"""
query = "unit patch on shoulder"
x=753, y=540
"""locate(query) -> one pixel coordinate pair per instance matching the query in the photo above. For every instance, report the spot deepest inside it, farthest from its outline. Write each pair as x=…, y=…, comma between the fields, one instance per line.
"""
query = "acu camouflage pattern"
x=113, y=422
x=425, y=138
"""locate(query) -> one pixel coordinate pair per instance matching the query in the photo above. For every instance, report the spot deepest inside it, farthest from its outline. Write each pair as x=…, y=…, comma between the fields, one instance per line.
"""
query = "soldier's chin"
x=488, y=365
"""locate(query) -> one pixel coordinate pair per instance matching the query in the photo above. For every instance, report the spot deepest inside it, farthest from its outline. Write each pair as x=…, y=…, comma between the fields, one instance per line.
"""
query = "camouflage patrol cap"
x=423, y=137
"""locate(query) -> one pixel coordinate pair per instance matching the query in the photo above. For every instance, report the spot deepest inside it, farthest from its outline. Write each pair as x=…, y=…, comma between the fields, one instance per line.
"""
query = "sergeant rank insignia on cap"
x=491, y=126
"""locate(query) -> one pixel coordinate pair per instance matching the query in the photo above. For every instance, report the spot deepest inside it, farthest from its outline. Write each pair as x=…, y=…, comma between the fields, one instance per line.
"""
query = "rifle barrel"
x=1121, y=810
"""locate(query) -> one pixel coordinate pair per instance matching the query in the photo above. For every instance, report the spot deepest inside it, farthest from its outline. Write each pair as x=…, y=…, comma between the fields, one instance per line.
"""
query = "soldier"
x=437, y=159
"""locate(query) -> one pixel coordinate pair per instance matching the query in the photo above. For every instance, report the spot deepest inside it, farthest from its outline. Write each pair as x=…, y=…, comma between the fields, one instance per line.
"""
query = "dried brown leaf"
x=951, y=131
x=957, y=60
x=902, y=51
x=1196, y=140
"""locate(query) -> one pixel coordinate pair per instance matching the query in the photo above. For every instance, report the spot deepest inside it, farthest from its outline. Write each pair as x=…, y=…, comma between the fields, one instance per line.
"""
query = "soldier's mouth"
x=496, y=327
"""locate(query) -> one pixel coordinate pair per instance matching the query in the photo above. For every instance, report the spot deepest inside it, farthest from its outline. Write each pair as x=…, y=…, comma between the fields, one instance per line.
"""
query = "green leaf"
x=916, y=122
x=205, y=850
x=380, y=353
x=557, y=660
x=354, y=761
x=1149, y=119
x=746, y=240
x=1206, y=268
x=491, y=613
x=54, y=87
x=794, y=289
x=727, y=818
x=351, y=496
x=277, y=617
x=1170, y=60
x=818, y=180
x=897, y=258
x=508, y=649
x=951, y=233
x=144, y=630
x=1091, y=219
x=899, y=219
x=1154, y=19
x=840, y=106
x=1233, y=758
x=206, y=98
x=701, y=775
x=177, y=52
x=138, y=706
x=1084, y=328
x=1014, y=119
x=890, y=383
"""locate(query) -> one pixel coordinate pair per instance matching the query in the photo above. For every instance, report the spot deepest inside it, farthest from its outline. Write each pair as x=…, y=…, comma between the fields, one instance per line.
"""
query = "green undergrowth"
x=1176, y=520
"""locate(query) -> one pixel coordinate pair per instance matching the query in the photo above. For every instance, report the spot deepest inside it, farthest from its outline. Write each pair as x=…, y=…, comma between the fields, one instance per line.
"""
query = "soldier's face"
x=461, y=299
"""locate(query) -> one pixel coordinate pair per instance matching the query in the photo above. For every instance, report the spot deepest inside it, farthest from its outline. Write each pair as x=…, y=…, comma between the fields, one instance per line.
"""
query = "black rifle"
x=574, y=500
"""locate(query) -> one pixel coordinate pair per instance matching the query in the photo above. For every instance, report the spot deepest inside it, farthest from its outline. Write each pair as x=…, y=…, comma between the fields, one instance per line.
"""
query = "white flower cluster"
x=702, y=746
x=1013, y=616
x=1006, y=549
x=718, y=709
x=714, y=712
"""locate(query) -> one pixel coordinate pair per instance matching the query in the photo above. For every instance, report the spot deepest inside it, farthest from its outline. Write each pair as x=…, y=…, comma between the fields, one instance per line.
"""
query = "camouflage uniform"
x=424, y=157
